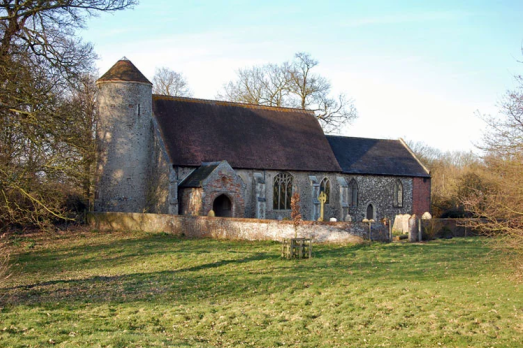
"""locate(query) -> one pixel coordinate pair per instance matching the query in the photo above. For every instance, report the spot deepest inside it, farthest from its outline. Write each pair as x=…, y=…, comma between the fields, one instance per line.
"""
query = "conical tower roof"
x=124, y=70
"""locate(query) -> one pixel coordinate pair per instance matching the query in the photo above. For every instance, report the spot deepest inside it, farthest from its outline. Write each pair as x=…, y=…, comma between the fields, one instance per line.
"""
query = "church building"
x=176, y=155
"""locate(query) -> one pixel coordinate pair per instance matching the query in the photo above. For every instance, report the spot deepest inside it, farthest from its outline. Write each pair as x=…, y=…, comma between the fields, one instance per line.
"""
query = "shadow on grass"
x=249, y=275
x=131, y=287
x=123, y=251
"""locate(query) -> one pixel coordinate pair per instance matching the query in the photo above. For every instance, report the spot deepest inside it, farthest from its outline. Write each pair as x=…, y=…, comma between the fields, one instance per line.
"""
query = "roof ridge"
x=231, y=103
x=346, y=136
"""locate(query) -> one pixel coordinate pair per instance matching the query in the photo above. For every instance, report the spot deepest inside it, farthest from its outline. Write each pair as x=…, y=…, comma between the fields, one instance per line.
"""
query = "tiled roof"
x=247, y=136
x=375, y=156
x=196, y=178
x=124, y=70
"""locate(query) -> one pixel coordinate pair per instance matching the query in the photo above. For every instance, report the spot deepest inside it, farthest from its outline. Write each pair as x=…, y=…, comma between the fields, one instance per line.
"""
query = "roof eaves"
x=388, y=174
x=413, y=155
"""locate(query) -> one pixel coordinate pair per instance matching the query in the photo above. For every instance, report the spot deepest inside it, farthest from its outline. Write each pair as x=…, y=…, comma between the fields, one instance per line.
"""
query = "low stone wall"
x=237, y=228
x=447, y=228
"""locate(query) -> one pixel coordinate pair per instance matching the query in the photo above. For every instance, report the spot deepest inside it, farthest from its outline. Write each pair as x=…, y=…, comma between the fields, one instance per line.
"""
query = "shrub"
x=430, y=228
x=4, y=262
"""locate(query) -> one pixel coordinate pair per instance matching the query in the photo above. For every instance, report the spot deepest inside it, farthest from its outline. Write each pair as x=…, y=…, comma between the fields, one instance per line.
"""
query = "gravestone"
x=413, y=228
x=426, y=216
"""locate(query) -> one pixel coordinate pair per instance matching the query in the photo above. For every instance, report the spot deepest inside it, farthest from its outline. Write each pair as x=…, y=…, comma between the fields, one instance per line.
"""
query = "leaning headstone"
x=413, y=228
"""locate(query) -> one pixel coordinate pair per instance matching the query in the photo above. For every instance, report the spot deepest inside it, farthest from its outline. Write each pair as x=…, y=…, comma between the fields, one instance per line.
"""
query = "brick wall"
x=420, y=195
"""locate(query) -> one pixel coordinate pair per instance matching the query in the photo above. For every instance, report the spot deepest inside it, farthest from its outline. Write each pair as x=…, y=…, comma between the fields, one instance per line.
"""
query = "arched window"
x=325, y=186
x=370, y=212
x=398, y=194
x=282, y=191
x=353, y=194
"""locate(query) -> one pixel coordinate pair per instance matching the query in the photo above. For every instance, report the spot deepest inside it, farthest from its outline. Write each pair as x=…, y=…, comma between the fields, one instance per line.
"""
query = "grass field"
x=93, y=289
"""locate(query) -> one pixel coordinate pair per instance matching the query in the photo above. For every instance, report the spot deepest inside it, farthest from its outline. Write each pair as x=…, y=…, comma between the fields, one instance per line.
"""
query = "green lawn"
x=140, y=290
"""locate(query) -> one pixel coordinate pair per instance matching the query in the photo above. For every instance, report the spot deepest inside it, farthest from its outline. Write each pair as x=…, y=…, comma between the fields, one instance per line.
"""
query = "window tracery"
x=282, y=191
x=398, y=194
x=325, y=187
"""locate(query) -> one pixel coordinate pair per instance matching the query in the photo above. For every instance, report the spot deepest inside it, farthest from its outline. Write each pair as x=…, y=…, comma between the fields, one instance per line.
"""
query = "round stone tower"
x=124, y=135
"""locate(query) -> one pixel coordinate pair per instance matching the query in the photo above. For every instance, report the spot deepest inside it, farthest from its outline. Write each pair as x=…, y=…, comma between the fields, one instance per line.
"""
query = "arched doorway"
x=222, y=206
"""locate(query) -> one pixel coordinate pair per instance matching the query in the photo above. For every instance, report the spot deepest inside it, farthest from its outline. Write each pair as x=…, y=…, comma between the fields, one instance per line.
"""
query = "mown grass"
x=141, y=290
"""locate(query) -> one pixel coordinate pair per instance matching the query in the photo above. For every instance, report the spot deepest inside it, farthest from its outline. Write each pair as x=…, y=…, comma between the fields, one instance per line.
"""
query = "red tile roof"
x=124, y=70
x=247, y=136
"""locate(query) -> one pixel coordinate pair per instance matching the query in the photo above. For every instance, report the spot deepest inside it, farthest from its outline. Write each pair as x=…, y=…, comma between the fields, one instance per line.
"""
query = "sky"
x=418, y=70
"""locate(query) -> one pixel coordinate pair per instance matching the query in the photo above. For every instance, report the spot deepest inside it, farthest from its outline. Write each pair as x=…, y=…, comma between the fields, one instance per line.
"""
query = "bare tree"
x=452, y=173
x=291, y=84
x=4, y=262
x=46, y=29
x=427, y=154
x=499, y=201
x=46, y=105
x=263, y=85
x=169, y=82
x=313, y=93
x=81, y=105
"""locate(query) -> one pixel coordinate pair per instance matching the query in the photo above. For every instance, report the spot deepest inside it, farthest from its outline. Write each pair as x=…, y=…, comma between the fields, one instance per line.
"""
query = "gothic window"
x=325, y=186
x=370, y=212
x=398, y=194
x=282, y=191
x=353, y=194
x=345, y=196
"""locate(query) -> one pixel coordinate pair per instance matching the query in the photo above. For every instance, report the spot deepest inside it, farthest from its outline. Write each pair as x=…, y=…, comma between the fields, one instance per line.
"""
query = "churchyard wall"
x=449, y=228
x=236, y=228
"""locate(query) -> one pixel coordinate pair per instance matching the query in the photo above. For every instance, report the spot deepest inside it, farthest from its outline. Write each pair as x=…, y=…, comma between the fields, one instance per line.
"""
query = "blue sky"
x=415, y=69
